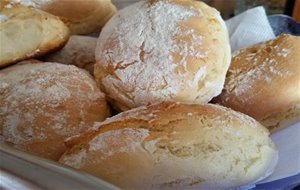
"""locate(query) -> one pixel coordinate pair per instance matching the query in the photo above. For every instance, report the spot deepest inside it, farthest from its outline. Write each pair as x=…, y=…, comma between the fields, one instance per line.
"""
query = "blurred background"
x=229, y=8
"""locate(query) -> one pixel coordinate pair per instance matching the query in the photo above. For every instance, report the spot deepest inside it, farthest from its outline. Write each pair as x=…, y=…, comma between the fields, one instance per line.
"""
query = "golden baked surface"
x=176, y=146
x=41, y=104
x=155, y=51
x=82, y=16
x=28, y=33
x=263, y=81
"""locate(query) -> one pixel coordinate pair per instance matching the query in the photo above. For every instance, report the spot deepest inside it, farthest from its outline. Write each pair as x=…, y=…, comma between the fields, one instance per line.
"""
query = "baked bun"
x=176, y=146
x=27, y=33
x=167, y=50
x=79, y=51
x=263, y=82
x=41, y=104
x=82, y=16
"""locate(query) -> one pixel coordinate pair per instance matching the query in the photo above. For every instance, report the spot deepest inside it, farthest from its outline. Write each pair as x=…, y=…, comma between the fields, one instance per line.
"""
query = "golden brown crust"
x=44, y=103
x=175, y=146
x=155, y=51
x=280, y=120
x=264, y=79
x=82, y=17
x=28, y=33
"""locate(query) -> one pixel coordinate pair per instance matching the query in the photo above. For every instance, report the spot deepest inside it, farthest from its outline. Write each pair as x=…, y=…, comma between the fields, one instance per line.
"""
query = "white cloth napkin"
x=246, y=29
x=288, y=144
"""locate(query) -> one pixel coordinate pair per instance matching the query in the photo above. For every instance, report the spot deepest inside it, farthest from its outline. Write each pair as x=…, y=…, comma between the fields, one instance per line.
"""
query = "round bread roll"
x=41, y=104
x=263, y=82
x=79, y=51
x=82, y=16
x=176, y=146
x=166, y=50
x=28, y=33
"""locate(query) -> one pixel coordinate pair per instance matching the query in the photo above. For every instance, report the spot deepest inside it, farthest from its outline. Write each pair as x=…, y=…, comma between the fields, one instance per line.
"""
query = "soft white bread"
x=82, y=16
x=162, y=50
x=41, y=104
x=264, y=82
x=176, y=146
x=79, y=51
x=27, y=33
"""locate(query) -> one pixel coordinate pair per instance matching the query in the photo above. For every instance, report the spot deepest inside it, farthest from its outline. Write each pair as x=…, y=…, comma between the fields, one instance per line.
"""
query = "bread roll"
x=176, y=146
x=82, y=16
x=263, y=82
x=41, y=104
x=167, y=50
x=27, y=33
x=79, y=51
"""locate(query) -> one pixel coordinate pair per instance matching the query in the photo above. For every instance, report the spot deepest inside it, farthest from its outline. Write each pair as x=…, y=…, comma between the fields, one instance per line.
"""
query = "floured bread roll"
x=176, y=146
x=82, y=16
x=79, y=51
x=163, y=50
x=41, y=104
x=264, y=82
x=27, y=33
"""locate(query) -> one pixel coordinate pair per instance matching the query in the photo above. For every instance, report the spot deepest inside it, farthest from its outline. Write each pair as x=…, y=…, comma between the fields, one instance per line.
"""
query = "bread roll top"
x=82, y=16
x=28, y=33
x=154, y=51
x=176, y=146
x=263, y=81
x=41, y=104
